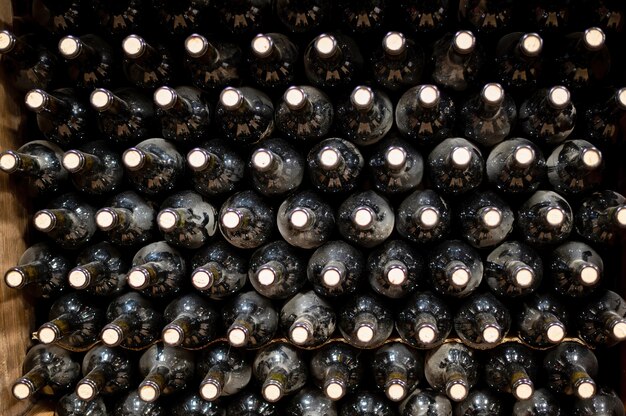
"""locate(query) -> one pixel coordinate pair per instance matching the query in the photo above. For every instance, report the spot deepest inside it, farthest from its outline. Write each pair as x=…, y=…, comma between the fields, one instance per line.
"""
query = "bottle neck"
x=487, y=327
x=200, y=160
x=147, y=274
x=458, y=274
x=266, y=161
x=14, y=162
x=241, y=330
x=365, y=326
x=175, y=332
x=110, y=218
x=57, y=328
x=207, y=276
x=44, y=104
x=336, y=380
x=614, y=324
x=94, y=382
x=396, y=272
x=519, y=381
x=396, y=382
x=271, y=273
x=237, y=218
x=154, y=383
x=76, y=161
x=456, y=383
x=425, y=327
x=581, y=382
x=105, y=101
x=275, y=384
x=214, y=381
x=55, y=220
x=20, y=276
x=88, y=274
x=302, y=329
x=519, y=273
x=30, y=383
x=114, y=333
x=333, y=273
x=136, y=159
x=172, y=219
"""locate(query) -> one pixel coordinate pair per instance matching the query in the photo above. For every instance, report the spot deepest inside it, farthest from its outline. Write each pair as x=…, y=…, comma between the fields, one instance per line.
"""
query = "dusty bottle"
x=133, y=323
x=182, y=17
x=398, y=64
x=455, y=269
x=165, y=370
x=365, y=321
x=332, y=60
x=225, y=371
x=541, y=403
x=72, y=405
x=192, y=404
x=211, y=65
x=575, y=167
x=246, y=220
x=584, y=60
x=513, y=269
x=192, y=322
x=305, y=220
x=545, y=218
x=280, y=370
x=423, y=217
x=397, y=370
x=335, y=269
x=365, y=403
x=100, y=270
x=575, y=269
x=250, y=319
x=67, y=220
x=452, y=369
x=215, y=168
x=395, y=166
x=106, y=371
x=276, y=270
x=571, y=368
x=276, y=167
x=511, y=368
x=272, y=60
x=485, y=219
x=481, y=402
x=362, y=17
x=127, y=219
x=542, y=320
x=334, y=165
x=395, y=269
x=89, y=60
x=94, y=168
x=146, y=65
x=336, y=370
x=424, y=321
x=28, y=62
x=218, y=271
x=519, y=61
x=303, y=16
x=245, y=115
x=487, y=17
x=482, y=321
x=308, y=319
x=456, y=166
x=365, y=218
x=244, y=17
x=158, y=271
x=601, y=217
x=605, y=402
x=516, y=166
x=602, y=120
x=548, y=116
x=153, y=166
x=601, y=320
x=311, y=402
x=184, y=112
x=458, y=60
x=366, y=117
x=304, y=114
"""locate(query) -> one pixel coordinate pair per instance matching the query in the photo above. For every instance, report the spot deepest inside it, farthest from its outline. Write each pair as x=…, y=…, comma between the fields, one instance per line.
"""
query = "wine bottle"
x=250, y=403
x=550, y=17
x=455, y=269
x=72, y=405
x=94, y=168
x=395, y=166
x=336, y=370
x=451, y=369
x=601, y=320
x=456, y=166
x=244, y=17
x=575, y=167
x=153, y=166
x=425, y=115
x=215, y=168
x=133, y=405
x=245, y=115
x=192, y=322
x=310, y=402
x=127, y=219
x=225, y=371
x=305, y=220
x=575, y=269
x=146, y=65
x=511, y=368
x=458, y=60
x=250, y=319
x=487, y=17
x=485, y=219
x=38, y=166
x=28, y=62
x=365, y=321
x=365, y=403
x=399, y=63
x=100, y=270
x=482, y=321
x=481, y=402
x=602, y=120
x=334, y=165
x=542, y=320
x=423, y=217
x=46, y=369
x=424, y=402
x=276, y=168
x=89, y=61
x=184, y=112
x=308, y=319
x=73, y=323
x=61, y=117
x=180, y=18
x=165, y=370
x=397, y=370
x=513, y=269
x=365, y=117
x=424, y=321
x=120, y=19
x=332, y=60
x=362, y=17
x=133, y=322
x=158, y=271
x=192, y=404
x=218, y=270
x=601, y=217
x=545, y=218
x=304, y=114
x=365, y=218
x=280, y=370
x=548, y=116
x=335, y=269
x=303, y=16
x=276, y=270
x=125, y=116
x=571, y=368
x=106, y=371
x=584, y=59
x=61, y=17
x=67, y=220
x=272, y=60
x=186, y=220
x=489, y=117
x=541, y=403
x=40, y=271
x=211, y=65
x=395, y=269
x=246, y=220
x=518, y=60
x=516, y=166
x=605, y=402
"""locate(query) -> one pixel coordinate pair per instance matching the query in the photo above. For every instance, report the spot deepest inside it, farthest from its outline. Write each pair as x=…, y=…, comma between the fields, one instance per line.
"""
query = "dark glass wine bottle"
x=225, y=371
x=94, y=168
x=366, y=403
x=516, y=166
x=550, y=17
x=511, y=368
x=545, y=218
x=602, y=321
x=601, y=217
x=186, y=220
x=335, y=269
x=89, y=60
x=280, y=369
x=127, y=219
x=458, y=60
x=571, y=369
x=272, y=60
x=602, y=119
x=46, y=369
x=246, y=220
x=575, y=167
x=244, y=17
x=304, y=114
x=481, y=402
x=548, y=116
x=395, y=166
x=28, y=62
x=337, y=370
x=276, y=270
x=513, y=269
x=67, y=220
x=212, y=65
x=605, y=402
x=305, y=220
x=165, y=370
x=482, y=321
x=192, y=404
x=583, y=60
x=362, y=16
x=158, y=271
x=518, y=60
x=423, y=217
x=250, y=319
x=182, y=17
x=61, y=116
x=61, y=17
x=308, y=319
x=73, y=323
x=120, y=19
x=395, y=269
x=365, y=117
x=456, y=166
x=487, y=17
x=484, y=219
x=424, y=321
x=399, y=63
x=310, y=402
x=218, y=271
x=146, y=65
x=424, y=403
x=72, y=405
x=245, y=115
x=332, y=60
x=575, y=269
x=541, y=403
x=397, y=370
x=455, y=269
x=106, y=371
x=215, y=168
x=542, y=320
x=334, y=165
x=365, y=321
x=276, y=168
x=250, y=403
x=452, y=369
x=38, y=166
x=153, y=166
x=100, y=270
x=133, y=323
x=192, y=322
x=184, y=112
x=303, y=16
x=365, y=218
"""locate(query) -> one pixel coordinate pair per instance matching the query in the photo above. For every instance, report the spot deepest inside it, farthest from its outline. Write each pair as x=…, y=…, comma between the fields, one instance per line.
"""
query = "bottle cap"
x=589, y=274
x=48, y=334
x=362, y=97
x=586, y=389
x=524, y=155
x=335, y=390
x=592, y=158
x=428, y=217
x=461, y=156
x=106, y=218
x=331, y=276
x=173, y=336
x=196, y=45
x=9, y=162
x=329, y=158
x=7, y=41
x=237, y=336
x=620, y=214
x=395, y=157
x=262, y=159
x=524, y=277
x=133, y=158
x=198, y=159
x=210, y=390
x=73, y=161
x=133, y=46
x=491, y=334
x=325, y=45
x=428, y=96
x=112, y=336
x=262, y=45
x=365, y=333
x=167, y=219
x=36, y=99
x=621, y=98
x=394, y=43
x=457, y=391
x=363, y=217
x=165, y=97
x=299, y=334
x=523, y=389
x=460, y=277
x=426, y=334
x=272, y=392
x=299, y=218
x=619, y=330
x=70, y=47
x=531, y=44
x=491, y=217
x=149, y=392
x=138, y=278
x=555, y=332
x=86, y=390
x=492, y=93
x=396, y=274
x=22, y=390
x=14, y=278
x=594, y=38
x=231, y=219
x=44, y=221
x=295, y=98
x=555, y=216
x=202, y=279
x=231, y=98
x=101, y=99
x=559, y=97
x=78, y=278
x=266, y=276
x=464, y=42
